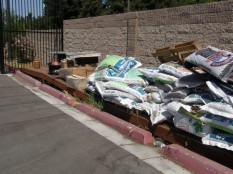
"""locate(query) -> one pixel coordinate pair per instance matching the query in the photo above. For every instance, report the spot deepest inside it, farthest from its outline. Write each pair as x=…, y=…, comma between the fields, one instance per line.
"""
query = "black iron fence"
x=30, y=29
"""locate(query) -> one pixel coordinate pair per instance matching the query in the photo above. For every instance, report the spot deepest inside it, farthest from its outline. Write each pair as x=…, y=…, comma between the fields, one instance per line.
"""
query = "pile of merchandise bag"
x=196, y=96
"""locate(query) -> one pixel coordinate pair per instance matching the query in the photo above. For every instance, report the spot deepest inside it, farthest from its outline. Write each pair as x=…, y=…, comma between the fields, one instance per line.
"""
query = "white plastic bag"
x=137, y=91
x=217, y=108
x=218, y=122
x=113, y=93
x=174, y=69
x=219, y=139
x=118, y=63
x=176, y=94
x=133, y=76
x=201, y=98
x=154, y=75
x=217, y=62
x=219, y=93
x=191, y=81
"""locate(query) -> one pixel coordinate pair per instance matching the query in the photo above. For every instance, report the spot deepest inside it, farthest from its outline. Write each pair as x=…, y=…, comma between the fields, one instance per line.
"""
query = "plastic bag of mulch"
x=136, y=91
x=187, y=118
x=158, y=112
x=156, y=97
x=174, y=106
x=219, y=94
x=176, y=94
x=158, y=85
x=201, y=98
x=108, y=93
x=218, y=122
x=175, y=69
x=154, y=75
x=133, y=76
x=218, y=108
x=220, y=139
x=217, y=62
x=191, y=81
x=191, y=125
x=189, y=121
x=118, y=63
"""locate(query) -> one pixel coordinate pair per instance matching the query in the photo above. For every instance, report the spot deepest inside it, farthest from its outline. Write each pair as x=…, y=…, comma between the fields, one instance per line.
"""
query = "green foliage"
x=198, y=126
x=92, y=101
x=18, y=46
x=71, y=9
x=90, y=8
x=115, y=7
x=22, y=55
x=53, y=13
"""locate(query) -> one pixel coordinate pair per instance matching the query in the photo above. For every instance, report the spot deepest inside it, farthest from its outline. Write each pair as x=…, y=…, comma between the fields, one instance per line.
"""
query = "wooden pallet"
x=176, y=52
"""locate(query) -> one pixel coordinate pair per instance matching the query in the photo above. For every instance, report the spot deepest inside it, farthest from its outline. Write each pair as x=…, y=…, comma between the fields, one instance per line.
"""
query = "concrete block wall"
x=138, y=33
x=106, y=34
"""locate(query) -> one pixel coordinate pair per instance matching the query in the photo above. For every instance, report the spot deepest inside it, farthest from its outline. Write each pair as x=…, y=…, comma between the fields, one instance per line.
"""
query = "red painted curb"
x=54, y=92
x=122, y=126
x=193, y=161
x=68, y=100
x=28, y=78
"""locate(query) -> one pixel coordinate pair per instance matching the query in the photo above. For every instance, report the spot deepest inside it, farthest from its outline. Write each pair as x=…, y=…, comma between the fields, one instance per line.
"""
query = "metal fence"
x=30, y=29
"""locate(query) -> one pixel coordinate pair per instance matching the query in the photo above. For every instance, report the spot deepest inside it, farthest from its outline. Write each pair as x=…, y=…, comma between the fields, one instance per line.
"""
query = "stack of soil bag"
x=197, y=96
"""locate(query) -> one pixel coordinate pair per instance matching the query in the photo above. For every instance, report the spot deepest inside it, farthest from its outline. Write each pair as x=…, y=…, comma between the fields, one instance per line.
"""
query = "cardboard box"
x=76, y=82
x=79, y=71
x=83, y=71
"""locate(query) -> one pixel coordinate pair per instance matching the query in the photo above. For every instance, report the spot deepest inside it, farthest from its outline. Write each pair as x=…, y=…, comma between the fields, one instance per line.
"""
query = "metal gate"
x=30, y=29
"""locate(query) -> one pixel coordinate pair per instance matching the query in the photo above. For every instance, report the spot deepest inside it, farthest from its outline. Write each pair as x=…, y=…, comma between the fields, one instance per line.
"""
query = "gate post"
x=1, y=42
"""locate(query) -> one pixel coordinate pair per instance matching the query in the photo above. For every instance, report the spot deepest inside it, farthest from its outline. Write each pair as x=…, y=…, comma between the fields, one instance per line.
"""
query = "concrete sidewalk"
x=38, y=136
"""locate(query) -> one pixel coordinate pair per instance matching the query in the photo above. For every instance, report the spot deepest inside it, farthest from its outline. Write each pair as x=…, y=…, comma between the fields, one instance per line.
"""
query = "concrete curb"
x=46, y=88
x=193, y=161
x=28, y=78
x=58, y=94
x=122, y=126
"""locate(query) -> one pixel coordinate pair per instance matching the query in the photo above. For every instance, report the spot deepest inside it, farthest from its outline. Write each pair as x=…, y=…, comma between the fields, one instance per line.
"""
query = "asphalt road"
x=38, y=138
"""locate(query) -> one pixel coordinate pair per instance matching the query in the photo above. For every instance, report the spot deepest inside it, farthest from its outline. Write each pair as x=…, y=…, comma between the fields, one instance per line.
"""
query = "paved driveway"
x=38, y=138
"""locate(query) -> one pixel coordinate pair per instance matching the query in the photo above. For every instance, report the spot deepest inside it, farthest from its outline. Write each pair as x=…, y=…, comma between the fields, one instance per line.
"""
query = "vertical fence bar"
x=14, y=27
x=42, y=29
x=8, y=30
x=28, y=31
x=56, y=25
x=1, y=41
x=50, y=31
x=46, y=36
x=32, y=35
x=39, y=30
x=49, y=36
x=24, y=23
x=36, y=31
x=61, y=24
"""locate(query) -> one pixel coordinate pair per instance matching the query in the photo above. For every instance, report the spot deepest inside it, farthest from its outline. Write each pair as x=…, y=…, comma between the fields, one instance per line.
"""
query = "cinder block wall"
x=138, y=33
